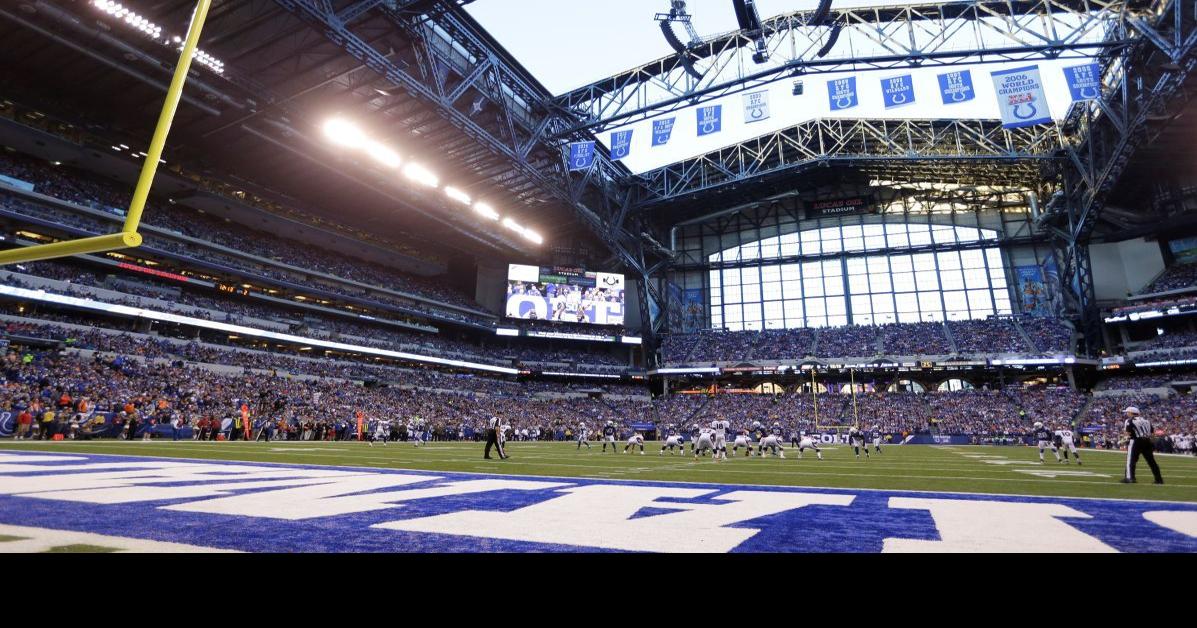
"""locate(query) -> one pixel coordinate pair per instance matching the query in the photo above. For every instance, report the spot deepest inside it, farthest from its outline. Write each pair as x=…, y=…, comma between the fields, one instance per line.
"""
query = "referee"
x=494, y=439
x=1139, y=430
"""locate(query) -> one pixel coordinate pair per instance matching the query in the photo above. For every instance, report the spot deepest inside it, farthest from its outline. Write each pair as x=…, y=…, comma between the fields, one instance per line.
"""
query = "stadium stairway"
x=879, y=344
x=947, y=331
x=814, y=345
x=1024, y=335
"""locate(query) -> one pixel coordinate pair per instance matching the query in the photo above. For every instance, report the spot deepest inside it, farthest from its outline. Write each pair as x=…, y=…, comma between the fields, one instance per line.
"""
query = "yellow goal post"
x=128, y=237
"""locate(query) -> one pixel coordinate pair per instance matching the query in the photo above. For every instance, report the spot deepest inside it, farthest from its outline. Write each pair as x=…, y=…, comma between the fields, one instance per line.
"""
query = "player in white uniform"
x=857, y=438
x=672, y=439
x=583, y=432
x=772, y=442
x=742, y=441
x=704, y=443
x=636, y=439
x=806, y=442
x=719, y=428
x=420, y=432
x=1063, y=440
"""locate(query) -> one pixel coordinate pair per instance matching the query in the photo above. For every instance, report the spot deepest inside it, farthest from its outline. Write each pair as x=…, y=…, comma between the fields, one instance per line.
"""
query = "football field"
x=966, y=469
x=349, y=496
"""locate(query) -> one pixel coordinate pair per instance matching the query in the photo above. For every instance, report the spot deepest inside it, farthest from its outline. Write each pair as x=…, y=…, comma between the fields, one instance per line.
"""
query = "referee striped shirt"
x=1138, y=427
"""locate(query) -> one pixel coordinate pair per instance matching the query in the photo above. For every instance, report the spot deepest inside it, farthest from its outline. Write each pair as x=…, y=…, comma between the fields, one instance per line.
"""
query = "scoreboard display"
x=564, y=294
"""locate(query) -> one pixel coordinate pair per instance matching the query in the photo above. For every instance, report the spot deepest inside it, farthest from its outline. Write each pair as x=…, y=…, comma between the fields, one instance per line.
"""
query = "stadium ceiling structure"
x=429, y=77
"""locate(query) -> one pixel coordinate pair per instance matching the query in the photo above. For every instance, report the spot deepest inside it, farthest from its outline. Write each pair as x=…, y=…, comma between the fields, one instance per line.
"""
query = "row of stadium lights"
x=153, y=31
x=348, y=135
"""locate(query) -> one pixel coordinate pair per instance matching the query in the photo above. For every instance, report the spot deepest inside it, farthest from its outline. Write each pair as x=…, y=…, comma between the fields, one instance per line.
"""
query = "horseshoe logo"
x=1089, y=93
x=898, y=99
x=756, y=113
x=708, y=127
x=958, y=96
x=1030, y=114
x=843, y=102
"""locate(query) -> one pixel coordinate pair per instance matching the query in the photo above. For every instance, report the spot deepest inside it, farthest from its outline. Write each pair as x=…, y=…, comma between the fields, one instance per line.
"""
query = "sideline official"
x=1139, y=430
x=494, y=439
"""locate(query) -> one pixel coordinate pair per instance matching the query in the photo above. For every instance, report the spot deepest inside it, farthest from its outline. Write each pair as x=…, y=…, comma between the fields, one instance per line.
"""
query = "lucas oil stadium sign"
x=840, y=207
x=150, y=502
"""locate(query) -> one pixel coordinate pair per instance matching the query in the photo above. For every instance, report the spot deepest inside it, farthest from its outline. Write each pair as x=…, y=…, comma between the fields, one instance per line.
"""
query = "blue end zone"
x=703, y=517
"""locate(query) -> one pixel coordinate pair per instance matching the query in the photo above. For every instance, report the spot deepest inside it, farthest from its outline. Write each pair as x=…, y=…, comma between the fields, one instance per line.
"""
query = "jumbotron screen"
x=568, y=295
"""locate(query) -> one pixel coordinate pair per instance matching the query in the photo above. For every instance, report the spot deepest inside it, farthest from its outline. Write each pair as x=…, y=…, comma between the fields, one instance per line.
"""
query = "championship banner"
x=621, y=144
x=756, y=107
x=662, y=129
x=1084, y=81
x=841, y=93
x=897, y=91
x=1020, y=97
x=710, y=120
x=581, y=155
x=956, y=87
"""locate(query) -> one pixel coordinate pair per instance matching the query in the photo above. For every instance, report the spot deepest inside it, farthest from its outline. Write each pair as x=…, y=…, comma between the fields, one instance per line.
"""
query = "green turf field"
x=1008, y=470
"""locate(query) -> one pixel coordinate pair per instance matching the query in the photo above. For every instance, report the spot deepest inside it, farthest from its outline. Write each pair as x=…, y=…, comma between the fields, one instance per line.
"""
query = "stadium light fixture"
x=533, y=236
x=344, y=133
x=486, y=211
x=457, y=195
x=513, y=225
x=421, y=175
x=382, y=154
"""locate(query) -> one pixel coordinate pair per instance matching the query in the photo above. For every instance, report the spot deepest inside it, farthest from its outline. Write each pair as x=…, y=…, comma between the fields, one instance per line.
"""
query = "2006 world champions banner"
x=1021, y=98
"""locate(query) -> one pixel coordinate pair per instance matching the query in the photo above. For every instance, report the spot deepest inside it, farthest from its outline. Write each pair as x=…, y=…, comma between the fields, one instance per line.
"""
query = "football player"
x=742, y=441
x=808, y=443
x=857, y=438
x=1045, y=440
x=877, y=438
x=609, y=436
x=1064, y=442
x=583, y=432
x=719, y=429
x=636, y=439
x=672, y=439
x=772, y=442
x=704, y=442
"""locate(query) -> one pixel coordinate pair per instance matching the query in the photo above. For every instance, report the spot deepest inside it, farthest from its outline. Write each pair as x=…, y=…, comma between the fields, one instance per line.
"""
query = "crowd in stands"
x=1048, y=334
x=1154, y=304
x=1171, y=340
x=989, y=336
x=1154, y=380
x=849, y=340
x=915, y=339
x=231, y=308
x=80, y=188
x=1177, y=277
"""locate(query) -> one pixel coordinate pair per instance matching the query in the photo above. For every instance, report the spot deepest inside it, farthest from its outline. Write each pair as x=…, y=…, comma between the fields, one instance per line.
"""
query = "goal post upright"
x=128, y=237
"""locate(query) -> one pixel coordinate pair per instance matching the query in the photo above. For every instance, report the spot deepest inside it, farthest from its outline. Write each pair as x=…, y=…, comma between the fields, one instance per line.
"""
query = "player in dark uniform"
x=609, y=436
x=1045, y=439
x=858, y=440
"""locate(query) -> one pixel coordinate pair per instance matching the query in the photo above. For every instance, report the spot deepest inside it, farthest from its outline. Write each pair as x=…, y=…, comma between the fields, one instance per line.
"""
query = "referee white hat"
x=1131, y=410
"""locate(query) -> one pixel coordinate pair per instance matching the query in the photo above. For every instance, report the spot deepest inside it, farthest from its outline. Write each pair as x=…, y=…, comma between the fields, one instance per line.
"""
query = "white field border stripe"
x=447, y=454
x=43, y=539
x=42, y=295
x=766, y=486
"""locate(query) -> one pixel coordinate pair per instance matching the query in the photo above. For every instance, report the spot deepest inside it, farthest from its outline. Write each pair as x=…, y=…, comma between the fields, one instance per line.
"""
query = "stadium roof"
x=258, y=121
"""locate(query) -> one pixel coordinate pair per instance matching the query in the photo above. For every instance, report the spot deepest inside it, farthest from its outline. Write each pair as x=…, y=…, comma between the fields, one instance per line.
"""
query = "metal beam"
x=869, y=38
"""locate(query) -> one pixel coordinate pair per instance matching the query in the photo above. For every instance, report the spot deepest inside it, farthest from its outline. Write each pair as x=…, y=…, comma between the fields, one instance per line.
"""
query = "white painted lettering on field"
x=337, y=497
x=1060, y=473
x=990, y=526
x=1182, y=521
x=600, y=516
x=165, y=472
